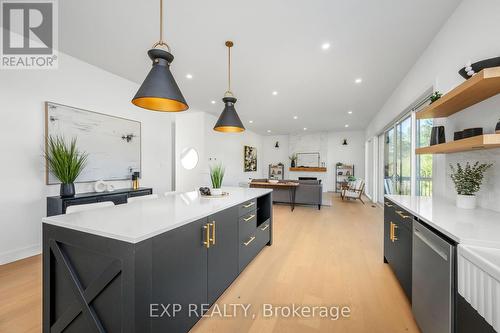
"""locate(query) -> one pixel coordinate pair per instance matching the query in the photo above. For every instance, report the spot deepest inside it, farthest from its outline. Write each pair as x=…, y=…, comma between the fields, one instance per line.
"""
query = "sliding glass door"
x=403, y=156
x=424, y=162
x=404, y=172
x=397, y=158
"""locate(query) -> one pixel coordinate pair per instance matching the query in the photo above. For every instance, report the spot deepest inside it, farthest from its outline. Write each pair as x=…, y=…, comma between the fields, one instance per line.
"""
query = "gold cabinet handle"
x=213, y=233
x=391, y=230
x=249, y=241
x=394, y=227
x=249, y=204
x=249, y=218
x=265, y=228
x=206, y=227
x=400, y=213
x=388, y=204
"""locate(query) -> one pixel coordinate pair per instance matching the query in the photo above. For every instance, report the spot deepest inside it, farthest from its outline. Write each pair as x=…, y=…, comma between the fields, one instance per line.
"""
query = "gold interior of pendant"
x=160, y=104
x=229, y=129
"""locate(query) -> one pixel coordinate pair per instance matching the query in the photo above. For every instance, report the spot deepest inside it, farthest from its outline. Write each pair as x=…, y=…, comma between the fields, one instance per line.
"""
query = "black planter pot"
x=292, y=164
x=67, y=190
x=497, y=129
x=437, y=135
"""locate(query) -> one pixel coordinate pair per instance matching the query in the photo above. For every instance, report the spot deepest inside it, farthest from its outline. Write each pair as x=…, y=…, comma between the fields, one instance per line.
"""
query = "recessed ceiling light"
x=350, y=112
x=305, y=128
x=325, y=46
x=358, y=80
x=250, y=121
x=213, y=102
x=189, y=76
x=346, y=125
x=295, y=117
x=268, y=131
x=275, y=93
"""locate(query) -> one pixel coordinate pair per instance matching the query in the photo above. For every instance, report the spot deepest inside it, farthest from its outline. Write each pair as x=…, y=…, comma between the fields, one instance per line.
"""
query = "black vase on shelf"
x=437, y=135
x=292, y=164
x=67, y=190
x=497, y=129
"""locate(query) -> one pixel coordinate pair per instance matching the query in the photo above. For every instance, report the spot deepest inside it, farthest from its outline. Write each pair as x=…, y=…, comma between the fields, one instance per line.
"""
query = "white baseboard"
x=17, y=254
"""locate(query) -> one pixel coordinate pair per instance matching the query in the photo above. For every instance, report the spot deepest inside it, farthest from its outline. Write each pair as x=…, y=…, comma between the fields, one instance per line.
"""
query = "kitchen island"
x=149, y=266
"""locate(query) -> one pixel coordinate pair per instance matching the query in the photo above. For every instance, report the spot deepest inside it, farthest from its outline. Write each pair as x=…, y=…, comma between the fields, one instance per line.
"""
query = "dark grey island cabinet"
x=163, y=283
x=398, y=244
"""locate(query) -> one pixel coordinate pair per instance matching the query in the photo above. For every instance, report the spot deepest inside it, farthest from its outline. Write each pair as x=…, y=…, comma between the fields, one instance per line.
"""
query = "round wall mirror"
x=189, y=158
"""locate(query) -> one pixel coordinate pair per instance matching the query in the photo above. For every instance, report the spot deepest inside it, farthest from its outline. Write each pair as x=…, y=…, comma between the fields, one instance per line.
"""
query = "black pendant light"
x=229, y=122
x=159, y=91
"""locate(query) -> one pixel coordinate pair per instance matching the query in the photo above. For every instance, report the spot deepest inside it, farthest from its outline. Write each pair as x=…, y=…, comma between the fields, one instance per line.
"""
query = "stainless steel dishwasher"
x=432, y=281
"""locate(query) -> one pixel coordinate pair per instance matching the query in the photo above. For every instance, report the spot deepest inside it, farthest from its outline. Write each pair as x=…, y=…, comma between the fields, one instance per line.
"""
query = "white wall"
x=328, y=144
x=190, y=133
x=273, y=155
x=465, y=36
x=78, y=84
x=228, y=149
x=353, y=153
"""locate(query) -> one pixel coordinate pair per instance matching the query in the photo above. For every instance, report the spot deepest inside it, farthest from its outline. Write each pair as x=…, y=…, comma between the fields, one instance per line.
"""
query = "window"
x=403, y=156
x=424, y=162
x=404, y=172
x=397, y=158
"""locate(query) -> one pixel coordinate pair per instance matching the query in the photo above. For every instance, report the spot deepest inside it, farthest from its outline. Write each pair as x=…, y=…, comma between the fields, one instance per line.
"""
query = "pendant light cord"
x=229, y=45
x=229, y=69
x=161, y=42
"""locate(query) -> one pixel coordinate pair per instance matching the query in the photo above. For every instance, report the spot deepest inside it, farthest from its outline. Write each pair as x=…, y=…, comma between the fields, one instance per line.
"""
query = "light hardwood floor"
x=331, y=257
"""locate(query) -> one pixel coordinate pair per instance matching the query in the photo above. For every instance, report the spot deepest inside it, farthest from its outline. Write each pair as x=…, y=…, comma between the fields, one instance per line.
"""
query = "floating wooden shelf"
x=487, y=141
x=481, y=86
x=309, y=169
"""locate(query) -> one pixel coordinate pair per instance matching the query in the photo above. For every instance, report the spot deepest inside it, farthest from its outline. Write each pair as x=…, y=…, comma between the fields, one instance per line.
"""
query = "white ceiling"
x=277, y=48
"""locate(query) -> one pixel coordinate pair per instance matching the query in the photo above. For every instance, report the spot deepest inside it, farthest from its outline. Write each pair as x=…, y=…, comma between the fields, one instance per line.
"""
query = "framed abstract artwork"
x=249, y=159
x=113, y=144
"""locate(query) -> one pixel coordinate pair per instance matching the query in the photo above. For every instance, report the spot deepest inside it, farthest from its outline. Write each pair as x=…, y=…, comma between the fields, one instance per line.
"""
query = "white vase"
x=466, y=201
x=216, y=191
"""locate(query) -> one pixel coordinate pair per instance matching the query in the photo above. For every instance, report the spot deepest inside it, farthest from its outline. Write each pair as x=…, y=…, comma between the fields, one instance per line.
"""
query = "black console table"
x=57, y=205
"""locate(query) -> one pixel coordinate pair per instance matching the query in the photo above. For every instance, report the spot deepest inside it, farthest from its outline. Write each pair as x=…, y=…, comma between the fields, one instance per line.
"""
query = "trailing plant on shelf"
x=351, y=178
x=293, y=160
x=217, y=175
x=65, y=162
x=468, y=181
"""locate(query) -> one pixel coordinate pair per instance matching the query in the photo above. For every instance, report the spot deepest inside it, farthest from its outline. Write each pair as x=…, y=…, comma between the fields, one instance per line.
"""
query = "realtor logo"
x=29, y=39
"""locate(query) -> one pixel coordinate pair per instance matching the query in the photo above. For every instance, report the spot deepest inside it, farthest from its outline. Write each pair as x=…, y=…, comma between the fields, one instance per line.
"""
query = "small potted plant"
x=434, y=97
x=65, y=162
x=216, y=175
x=293, y=160
x=468, y=181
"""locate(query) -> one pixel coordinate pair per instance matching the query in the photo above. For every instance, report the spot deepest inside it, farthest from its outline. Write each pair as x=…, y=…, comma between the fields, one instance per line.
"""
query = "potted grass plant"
x=65, y=162
x=217, y=175
x=468, y=181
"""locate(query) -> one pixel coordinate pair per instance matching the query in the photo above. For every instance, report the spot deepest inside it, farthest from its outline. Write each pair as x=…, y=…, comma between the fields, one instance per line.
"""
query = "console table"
x=292, y=188
x=57, y=205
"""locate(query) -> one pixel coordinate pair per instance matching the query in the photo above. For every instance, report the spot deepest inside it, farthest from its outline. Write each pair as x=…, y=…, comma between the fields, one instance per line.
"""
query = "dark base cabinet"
x=57, y=205
x=468, y=319
x=398, y=244
x=162, y=284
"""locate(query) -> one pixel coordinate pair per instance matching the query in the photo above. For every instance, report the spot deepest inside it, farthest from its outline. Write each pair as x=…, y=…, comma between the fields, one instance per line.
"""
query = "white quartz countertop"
x=479, y=227
x=140, y=220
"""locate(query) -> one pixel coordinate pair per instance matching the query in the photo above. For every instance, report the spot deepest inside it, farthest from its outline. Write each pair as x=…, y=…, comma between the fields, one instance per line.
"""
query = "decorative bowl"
x=273, y=181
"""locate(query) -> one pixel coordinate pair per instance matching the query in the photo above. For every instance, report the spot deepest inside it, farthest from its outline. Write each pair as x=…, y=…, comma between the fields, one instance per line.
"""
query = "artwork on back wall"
x=113, y=144
x=250, y=159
